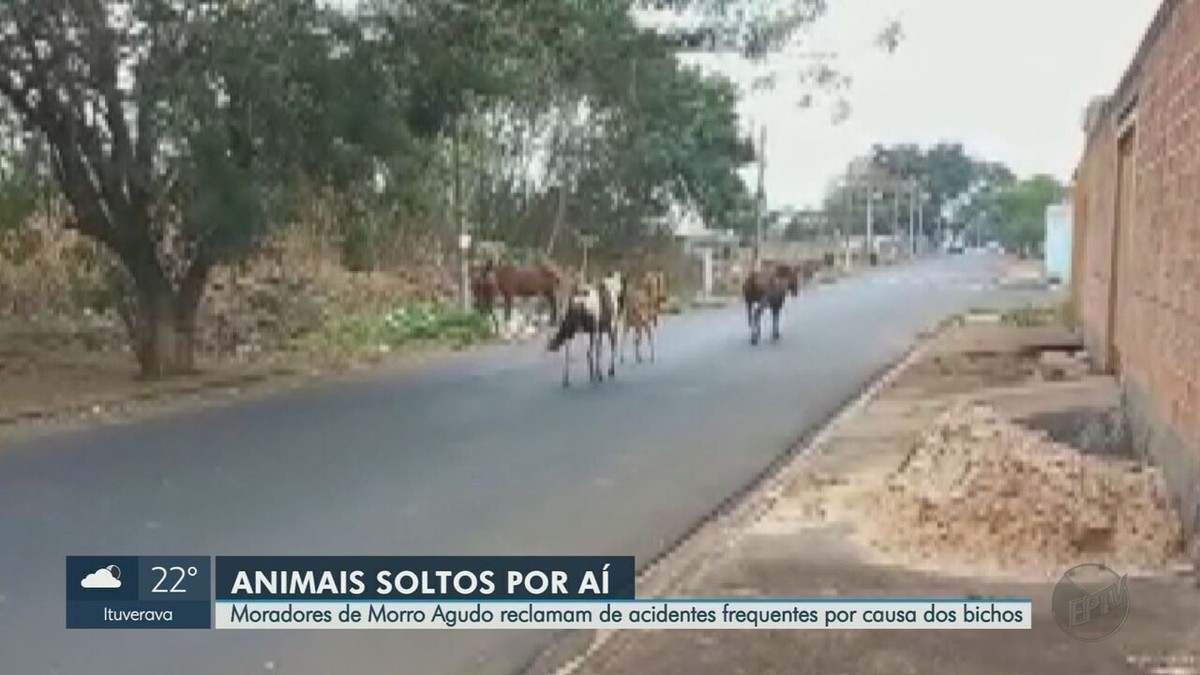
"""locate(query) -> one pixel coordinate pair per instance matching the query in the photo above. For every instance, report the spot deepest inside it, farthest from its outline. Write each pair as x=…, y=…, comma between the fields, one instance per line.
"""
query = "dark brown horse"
x=507, y=282
x=767, y=289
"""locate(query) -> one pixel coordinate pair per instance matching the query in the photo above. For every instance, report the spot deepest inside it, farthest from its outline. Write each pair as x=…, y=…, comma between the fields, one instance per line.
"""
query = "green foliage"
x=399, y=327
x=19, y=195
x=1021, y=211
x=964, y=193
x=207, y=124
x=1031, y=316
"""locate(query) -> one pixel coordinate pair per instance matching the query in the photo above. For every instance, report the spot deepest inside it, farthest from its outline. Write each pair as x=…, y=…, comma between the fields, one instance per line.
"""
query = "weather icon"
x=105, y=577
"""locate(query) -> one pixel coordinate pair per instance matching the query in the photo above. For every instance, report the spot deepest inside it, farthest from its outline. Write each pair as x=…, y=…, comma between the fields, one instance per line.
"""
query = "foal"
x=591, y=309
x=767, y=290
x=640, y=314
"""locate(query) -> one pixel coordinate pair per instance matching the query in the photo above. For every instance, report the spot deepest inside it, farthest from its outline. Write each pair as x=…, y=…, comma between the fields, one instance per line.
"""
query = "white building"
x=1057, y=246
x=700, y=241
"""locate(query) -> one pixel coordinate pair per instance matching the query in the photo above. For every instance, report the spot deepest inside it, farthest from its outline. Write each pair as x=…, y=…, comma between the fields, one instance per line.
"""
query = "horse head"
x=790, y=275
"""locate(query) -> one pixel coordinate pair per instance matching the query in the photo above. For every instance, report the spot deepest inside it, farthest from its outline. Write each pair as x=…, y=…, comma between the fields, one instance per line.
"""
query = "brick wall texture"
x=1137, y=237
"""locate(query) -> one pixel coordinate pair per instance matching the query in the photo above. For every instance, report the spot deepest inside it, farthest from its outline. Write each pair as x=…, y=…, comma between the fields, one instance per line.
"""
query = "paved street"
x=484, y=455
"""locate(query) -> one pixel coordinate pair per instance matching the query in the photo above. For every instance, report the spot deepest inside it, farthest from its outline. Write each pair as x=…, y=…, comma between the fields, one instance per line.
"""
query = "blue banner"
x=139, y=592
x=425, y=578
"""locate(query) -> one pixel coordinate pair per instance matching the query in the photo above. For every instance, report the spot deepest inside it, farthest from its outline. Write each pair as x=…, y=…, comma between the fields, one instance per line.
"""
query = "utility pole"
x=870, y=219
x=921, y=213
x=464, y=239
x=759, y=198
x=586, y=241
x=895, y=210
x=912, y=216
x=848, y=224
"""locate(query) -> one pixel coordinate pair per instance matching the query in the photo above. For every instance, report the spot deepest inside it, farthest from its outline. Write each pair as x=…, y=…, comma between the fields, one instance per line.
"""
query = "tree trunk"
x=163, y=324
x=154, y=331
x=185, y=336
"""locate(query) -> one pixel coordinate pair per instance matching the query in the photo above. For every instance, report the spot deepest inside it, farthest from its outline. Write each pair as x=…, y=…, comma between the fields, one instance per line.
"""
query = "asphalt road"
x=484, y=455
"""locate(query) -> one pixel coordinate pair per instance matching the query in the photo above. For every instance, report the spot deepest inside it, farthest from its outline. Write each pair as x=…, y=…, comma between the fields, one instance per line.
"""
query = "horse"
x=591, y=309
x=767, y=289
x=640, y=311
x=484, y=289
x=508, y=282
x=657, y=288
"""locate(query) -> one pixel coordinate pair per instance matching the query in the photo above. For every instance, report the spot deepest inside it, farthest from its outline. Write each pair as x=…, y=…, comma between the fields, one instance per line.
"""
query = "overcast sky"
x=1008, y=79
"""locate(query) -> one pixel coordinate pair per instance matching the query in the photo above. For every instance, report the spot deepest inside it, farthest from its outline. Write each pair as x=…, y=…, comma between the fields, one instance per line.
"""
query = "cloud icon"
x=105, y=577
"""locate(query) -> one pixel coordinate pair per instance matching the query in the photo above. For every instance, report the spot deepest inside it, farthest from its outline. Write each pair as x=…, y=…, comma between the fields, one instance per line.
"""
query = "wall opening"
x=1124, y=212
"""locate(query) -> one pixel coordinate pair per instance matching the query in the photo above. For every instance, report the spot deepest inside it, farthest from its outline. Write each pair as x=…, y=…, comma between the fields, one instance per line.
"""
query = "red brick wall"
x=1157, y=308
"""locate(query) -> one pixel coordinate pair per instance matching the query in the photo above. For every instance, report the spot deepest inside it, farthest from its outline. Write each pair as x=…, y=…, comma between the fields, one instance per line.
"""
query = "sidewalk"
x=809, y=539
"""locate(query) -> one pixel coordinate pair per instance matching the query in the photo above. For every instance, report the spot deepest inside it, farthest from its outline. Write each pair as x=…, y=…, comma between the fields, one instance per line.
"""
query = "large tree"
x=177, y=128
x=945, y=173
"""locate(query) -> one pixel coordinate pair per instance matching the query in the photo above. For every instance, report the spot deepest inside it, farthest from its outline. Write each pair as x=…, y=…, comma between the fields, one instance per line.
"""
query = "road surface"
x=484, y=455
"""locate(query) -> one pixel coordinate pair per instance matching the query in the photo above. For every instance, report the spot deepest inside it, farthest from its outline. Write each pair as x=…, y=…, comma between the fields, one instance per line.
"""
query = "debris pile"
x=979, y=489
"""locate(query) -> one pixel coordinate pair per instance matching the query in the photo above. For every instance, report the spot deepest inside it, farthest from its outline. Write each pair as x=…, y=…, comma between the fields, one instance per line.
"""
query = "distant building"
x=1057, y=247
x=689, y=227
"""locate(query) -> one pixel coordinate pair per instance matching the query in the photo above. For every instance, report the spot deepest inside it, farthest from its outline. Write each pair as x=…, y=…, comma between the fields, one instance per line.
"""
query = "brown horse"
x=767, y=289
x=640, y=307
x=656, y=285
x=508, y=282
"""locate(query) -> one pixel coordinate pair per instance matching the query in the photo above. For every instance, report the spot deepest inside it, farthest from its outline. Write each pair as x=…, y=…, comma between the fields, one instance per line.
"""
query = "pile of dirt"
x=981, y=490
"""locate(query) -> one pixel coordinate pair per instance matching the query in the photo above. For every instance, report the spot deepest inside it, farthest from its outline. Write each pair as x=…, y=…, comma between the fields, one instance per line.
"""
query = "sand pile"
x=979, y=489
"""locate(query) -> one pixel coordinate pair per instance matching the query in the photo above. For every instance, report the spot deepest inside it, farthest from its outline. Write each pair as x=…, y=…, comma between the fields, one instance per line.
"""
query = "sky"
x=1009, y=80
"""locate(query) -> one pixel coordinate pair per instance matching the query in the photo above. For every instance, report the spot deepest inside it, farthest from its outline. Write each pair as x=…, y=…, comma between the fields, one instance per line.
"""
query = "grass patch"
x=406, y=325
x=1031, y=315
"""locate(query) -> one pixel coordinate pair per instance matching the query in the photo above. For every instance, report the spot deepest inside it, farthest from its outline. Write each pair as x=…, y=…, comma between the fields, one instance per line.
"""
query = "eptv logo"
x=1091, y=602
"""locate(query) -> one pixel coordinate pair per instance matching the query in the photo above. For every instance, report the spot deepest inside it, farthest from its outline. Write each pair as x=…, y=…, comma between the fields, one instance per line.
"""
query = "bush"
x=400, y=326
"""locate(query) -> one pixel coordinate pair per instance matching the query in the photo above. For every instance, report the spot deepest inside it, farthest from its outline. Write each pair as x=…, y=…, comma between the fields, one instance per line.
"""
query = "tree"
x=1020, y=211
x=176, y=130
x=620, y=130
x=945, y=173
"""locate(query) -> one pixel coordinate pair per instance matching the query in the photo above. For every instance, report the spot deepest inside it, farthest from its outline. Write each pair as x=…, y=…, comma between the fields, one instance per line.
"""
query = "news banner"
x=467, y=593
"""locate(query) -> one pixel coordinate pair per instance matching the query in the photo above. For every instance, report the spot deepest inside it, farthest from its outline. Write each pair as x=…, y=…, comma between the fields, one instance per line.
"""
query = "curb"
x=692, y=555
x=150, y=394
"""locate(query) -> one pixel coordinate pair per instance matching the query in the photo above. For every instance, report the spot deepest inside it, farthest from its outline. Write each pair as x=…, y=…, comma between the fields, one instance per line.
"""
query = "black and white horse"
x=768, y=289
x=592, y=309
